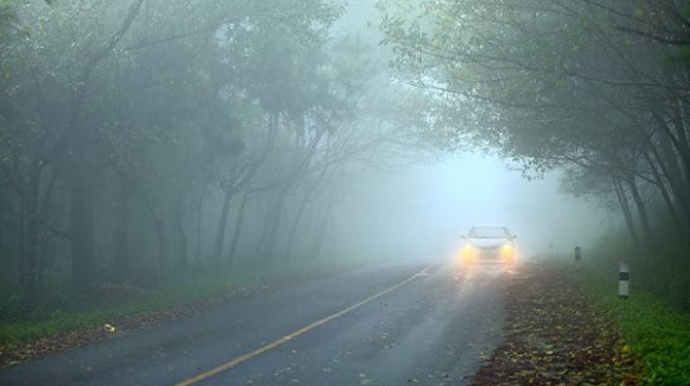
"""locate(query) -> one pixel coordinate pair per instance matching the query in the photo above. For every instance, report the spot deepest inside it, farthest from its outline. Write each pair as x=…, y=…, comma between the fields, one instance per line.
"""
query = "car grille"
x=489, y=254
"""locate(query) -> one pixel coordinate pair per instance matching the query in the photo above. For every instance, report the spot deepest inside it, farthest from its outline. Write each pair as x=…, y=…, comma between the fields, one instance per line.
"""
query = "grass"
x=655, y=331
x=180, y=290
x=665, y=266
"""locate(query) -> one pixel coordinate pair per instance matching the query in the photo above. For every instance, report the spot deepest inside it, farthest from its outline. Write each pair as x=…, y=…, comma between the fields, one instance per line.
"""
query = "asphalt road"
x=379, y=325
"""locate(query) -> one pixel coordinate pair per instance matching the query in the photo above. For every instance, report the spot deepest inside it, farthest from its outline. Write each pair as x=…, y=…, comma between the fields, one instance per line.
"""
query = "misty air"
x=344, y=192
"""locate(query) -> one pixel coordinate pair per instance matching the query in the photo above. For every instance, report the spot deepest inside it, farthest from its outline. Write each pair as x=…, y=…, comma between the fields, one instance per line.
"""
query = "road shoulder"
x=554, y=335
x=125, y=319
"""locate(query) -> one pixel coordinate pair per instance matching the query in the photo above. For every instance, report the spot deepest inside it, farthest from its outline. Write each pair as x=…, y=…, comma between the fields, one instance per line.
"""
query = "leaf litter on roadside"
x=554, y=337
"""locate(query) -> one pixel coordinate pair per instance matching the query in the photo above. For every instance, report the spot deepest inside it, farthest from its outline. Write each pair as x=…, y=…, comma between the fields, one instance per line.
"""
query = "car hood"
x=487, y=243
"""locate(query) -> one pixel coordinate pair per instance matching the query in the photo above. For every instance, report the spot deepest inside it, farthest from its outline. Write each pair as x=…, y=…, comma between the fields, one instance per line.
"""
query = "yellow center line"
x=287, y=338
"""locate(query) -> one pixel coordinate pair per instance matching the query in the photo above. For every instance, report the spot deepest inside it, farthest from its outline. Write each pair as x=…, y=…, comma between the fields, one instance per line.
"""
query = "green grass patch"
x=652, y=329
x=74, y=312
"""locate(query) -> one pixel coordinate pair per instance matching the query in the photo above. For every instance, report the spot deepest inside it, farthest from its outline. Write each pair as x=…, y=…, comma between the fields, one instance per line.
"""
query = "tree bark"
x=238, y=228
x=641, y=210
x=300, y=211
x=627, y=213
x=295, y=226
x=265, y=246
x=182, y=232
x=274, y=227
x=679, y=125
x=222, y=225
x=672, y=175
x=670, y=206
x=82, y=231
x=122, y=194
x=162, y=242
x=678, y=143
x=46, y=255
x=79, y=140
x=21, y=241
x=321, y=235
x=32, y=237
x=199, y=223
x=159, y=224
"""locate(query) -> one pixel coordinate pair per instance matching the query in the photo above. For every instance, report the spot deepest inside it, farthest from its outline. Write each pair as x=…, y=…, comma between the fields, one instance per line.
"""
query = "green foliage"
x=504, y=73
x=7, y=14
x=160, y=107
x=547, y=84
x=661, y=270
x=652, y=329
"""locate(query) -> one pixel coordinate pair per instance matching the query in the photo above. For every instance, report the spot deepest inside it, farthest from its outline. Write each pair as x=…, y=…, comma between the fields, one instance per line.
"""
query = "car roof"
x=489, y=226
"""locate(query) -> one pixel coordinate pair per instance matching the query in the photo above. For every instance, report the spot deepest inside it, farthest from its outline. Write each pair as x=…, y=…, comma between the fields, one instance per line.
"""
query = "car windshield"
x=489, y=232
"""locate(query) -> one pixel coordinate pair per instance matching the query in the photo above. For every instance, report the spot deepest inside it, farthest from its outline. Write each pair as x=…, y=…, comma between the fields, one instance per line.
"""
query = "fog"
x=422, y=210
x=339, y=192
x=144, y=139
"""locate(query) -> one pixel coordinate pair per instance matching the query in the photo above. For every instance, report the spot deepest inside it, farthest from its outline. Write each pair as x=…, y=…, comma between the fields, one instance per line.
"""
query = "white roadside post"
x=578, y=258
x=623, y=279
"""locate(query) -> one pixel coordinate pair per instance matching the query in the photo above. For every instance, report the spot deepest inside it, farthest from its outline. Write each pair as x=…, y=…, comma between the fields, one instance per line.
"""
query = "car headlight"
x=508, y=253
x=468, y=253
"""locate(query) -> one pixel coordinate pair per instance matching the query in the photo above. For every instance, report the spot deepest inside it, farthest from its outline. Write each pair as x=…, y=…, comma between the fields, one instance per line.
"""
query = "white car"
x=488, y=244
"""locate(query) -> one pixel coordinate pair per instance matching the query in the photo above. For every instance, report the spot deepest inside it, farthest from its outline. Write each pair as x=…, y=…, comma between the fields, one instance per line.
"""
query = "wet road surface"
x=394, y=324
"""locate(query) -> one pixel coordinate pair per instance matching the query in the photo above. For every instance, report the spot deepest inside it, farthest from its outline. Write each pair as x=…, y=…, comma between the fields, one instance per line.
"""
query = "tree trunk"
x=82, y=231
x=266, y=243
x=669, y=168
x=679, y=145
x=81, y=144
x=679, y=125
x=668, y=156
x=627, y=213
x=238, y=228
x=162, y=242
x=222, y=225
x=47, y=256
x=182, y=232
x=32, y=237
x=678, y=226
x=321, y=235
x=300, y=211
x=258, y=248
x=295, y=226
x=159, y=224
x=199, y=223
x=21, y=241
x=274, y=228
x=122, y=192
x=641, y=210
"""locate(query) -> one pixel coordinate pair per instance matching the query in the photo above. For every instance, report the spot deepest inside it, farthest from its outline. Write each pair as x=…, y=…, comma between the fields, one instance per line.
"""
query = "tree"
x=589, y=85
